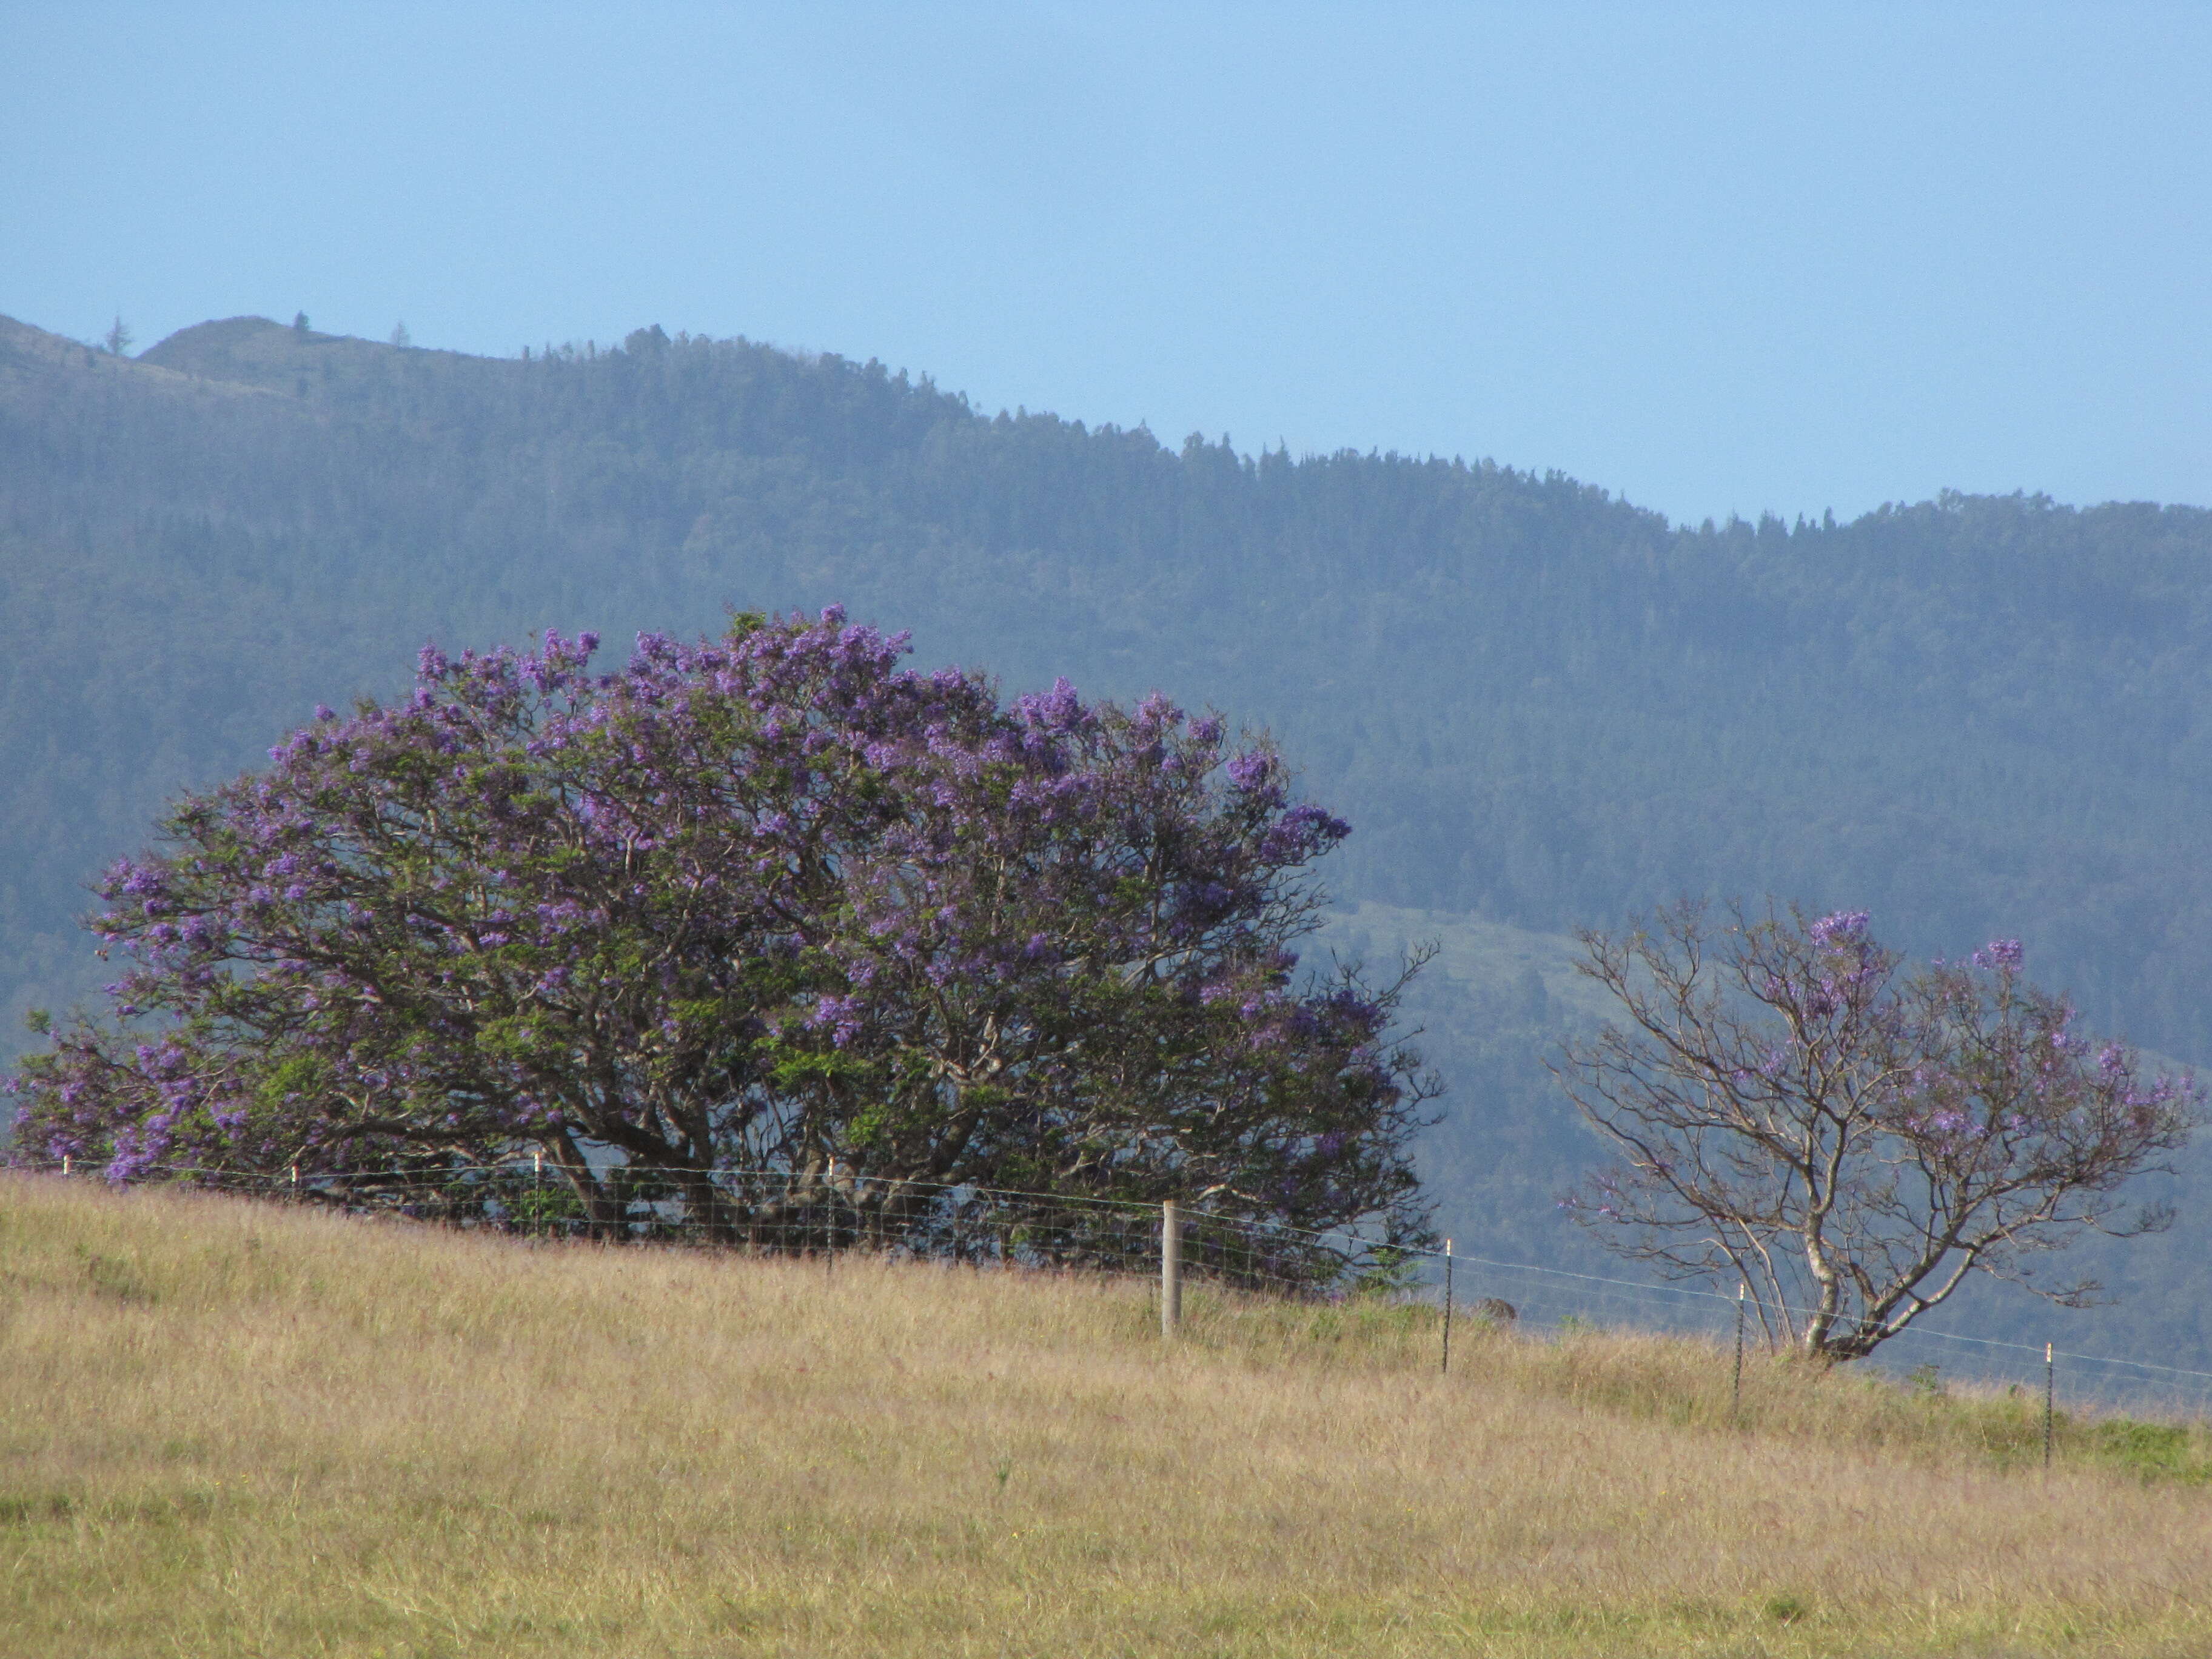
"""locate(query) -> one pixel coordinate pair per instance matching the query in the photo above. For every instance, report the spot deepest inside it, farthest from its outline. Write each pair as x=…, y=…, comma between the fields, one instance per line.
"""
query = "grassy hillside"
x=235, y=1430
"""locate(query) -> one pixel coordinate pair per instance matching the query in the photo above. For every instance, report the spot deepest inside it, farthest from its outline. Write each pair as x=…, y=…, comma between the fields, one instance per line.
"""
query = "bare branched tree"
x=1848, y=1141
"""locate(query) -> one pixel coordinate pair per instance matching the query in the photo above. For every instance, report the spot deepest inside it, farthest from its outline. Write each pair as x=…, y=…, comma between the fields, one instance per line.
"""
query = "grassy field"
x=232, y=1429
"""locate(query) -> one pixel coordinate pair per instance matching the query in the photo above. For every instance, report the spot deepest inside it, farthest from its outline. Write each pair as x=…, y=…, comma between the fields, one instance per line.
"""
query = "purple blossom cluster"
x=768, y=897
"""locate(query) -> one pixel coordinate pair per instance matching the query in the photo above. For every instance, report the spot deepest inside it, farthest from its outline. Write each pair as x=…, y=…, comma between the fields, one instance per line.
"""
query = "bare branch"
x=1849, y=1141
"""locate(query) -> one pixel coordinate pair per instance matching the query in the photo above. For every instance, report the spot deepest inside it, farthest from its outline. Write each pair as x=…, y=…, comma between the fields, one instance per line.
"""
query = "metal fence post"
x=1448, y=1306
x=1735, y=1394
x=2050, y=1387
x=1170, y=1267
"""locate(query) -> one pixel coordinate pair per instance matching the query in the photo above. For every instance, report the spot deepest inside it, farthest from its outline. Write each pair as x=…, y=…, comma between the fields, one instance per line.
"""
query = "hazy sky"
x=1715, y=258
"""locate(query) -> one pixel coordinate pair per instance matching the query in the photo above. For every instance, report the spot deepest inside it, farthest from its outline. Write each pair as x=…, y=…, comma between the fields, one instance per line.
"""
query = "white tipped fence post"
x=1736, y=1389
x=1448, y=1302
x=1170, y=1267
x=2049, y=1396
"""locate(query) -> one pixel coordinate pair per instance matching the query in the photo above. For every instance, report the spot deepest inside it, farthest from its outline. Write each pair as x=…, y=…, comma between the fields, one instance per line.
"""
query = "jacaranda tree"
x=1849, y=1141
x=767, y=903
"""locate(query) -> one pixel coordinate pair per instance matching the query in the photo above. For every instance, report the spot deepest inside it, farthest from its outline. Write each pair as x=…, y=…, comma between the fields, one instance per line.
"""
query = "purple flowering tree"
x=1073, y=971
x=771, y=902
x=1850, y=1141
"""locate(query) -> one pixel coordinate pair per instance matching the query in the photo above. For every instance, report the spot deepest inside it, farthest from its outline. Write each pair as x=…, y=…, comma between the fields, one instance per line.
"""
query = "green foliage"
x=116, y=1277
x=2156, y=1451
x=540, y=1207
x=1390, y=1273
x=1787, y=1609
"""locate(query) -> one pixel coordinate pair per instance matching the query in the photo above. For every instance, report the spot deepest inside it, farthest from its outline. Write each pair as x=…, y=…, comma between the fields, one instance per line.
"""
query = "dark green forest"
x=1538, y=704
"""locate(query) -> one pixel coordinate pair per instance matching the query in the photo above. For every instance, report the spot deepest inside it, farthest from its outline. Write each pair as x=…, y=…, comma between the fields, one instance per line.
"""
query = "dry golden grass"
x=232, y=1429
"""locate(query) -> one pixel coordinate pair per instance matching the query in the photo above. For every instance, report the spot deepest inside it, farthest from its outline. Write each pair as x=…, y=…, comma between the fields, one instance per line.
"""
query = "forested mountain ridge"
x=1537, y=703
x=1540, y=702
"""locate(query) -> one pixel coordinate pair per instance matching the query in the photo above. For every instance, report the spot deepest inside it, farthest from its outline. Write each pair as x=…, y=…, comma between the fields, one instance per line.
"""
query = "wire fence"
x=828, y=1211
x=824, y=1210
x=1555, y=1299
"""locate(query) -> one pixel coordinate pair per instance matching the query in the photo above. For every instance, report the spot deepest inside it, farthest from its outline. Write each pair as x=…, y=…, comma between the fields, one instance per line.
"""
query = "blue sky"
x=1718, y=258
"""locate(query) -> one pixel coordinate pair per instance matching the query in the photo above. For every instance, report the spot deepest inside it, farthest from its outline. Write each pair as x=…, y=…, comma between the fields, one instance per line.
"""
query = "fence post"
x=2050, y=1386
x=1448, y=1306
x=537, y=1190
x=65, y=1165
x=1170, y=1267
x=1736, y=1393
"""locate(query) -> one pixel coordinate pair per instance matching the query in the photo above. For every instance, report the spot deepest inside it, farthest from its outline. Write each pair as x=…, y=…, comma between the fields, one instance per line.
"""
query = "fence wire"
x=827, y=1212
x=824, y=1210
x=1555, y=1299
